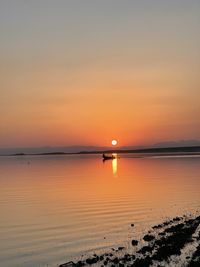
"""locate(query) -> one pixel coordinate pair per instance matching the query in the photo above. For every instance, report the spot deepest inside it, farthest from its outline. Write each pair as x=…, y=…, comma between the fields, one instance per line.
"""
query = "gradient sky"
x=84, y=72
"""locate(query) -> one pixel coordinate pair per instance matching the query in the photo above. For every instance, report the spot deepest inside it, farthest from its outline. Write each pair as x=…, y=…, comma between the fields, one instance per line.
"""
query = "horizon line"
x=180, y=149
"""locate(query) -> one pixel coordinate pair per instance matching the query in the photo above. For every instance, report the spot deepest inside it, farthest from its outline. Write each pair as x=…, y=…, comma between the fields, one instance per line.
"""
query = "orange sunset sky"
x=85, y=72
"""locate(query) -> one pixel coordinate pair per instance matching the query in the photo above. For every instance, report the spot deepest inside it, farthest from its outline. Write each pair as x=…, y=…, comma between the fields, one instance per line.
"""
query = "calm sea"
x=55, y=209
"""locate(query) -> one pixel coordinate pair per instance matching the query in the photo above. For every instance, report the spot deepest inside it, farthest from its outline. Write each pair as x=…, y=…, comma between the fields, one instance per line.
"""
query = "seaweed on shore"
x=160, y=246
x=195, y=261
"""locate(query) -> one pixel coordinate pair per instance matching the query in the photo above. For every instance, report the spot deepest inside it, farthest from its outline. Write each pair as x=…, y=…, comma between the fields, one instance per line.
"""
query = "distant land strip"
x=189, y=150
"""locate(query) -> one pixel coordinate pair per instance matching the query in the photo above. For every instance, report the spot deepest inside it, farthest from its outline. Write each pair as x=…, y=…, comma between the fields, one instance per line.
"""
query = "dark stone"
x=161, y=234
x=166, y=223
x=68, y=264
x=145, y=249
x=194, y=264
x=127, y=257
x=174, y=228
x=92, y=260
x=134, y=242
x=115, y=260
x=148, y=237
x=133, y=257
x=80, y=264
x=157, y=226
x=177, y=219
x=101, y=258
x=146, y=262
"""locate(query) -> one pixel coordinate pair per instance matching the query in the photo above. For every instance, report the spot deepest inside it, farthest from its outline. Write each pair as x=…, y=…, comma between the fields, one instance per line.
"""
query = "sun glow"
x=114, y=142
x=114, y=166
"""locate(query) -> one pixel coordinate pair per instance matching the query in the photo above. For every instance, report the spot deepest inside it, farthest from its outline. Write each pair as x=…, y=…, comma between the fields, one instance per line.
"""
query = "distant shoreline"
x=189, y=150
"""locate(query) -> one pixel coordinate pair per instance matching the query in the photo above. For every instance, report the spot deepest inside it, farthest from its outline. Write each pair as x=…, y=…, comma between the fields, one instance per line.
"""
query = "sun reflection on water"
x=114, y=164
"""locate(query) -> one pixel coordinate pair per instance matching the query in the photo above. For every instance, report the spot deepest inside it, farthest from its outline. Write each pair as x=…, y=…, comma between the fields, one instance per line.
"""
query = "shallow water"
x=57, y=208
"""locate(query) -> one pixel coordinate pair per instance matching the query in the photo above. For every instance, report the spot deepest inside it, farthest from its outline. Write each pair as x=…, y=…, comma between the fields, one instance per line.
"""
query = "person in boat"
x=107, y=157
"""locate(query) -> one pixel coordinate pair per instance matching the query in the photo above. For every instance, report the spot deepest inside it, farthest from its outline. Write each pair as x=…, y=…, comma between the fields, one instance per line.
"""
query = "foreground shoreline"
x=175, y=242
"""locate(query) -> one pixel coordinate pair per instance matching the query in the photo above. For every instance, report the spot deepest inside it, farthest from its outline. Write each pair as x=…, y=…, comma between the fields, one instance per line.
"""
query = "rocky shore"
x=175, y=242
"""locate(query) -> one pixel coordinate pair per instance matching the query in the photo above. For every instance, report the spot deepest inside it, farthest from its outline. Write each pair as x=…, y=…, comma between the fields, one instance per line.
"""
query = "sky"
x=84, y=72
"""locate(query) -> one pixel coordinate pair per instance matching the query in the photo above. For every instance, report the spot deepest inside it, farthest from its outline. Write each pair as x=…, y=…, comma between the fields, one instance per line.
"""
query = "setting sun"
x=114, y=142
x=99, y=133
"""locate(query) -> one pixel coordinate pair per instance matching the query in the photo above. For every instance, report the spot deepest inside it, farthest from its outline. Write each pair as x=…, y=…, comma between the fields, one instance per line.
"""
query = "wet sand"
x=175, y=242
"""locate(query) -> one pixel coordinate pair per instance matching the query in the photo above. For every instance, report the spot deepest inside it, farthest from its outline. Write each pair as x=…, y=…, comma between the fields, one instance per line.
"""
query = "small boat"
x=105, y=157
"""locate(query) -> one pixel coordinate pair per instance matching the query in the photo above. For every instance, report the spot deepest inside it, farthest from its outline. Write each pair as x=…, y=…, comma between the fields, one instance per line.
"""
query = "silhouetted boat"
x=105, y=157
